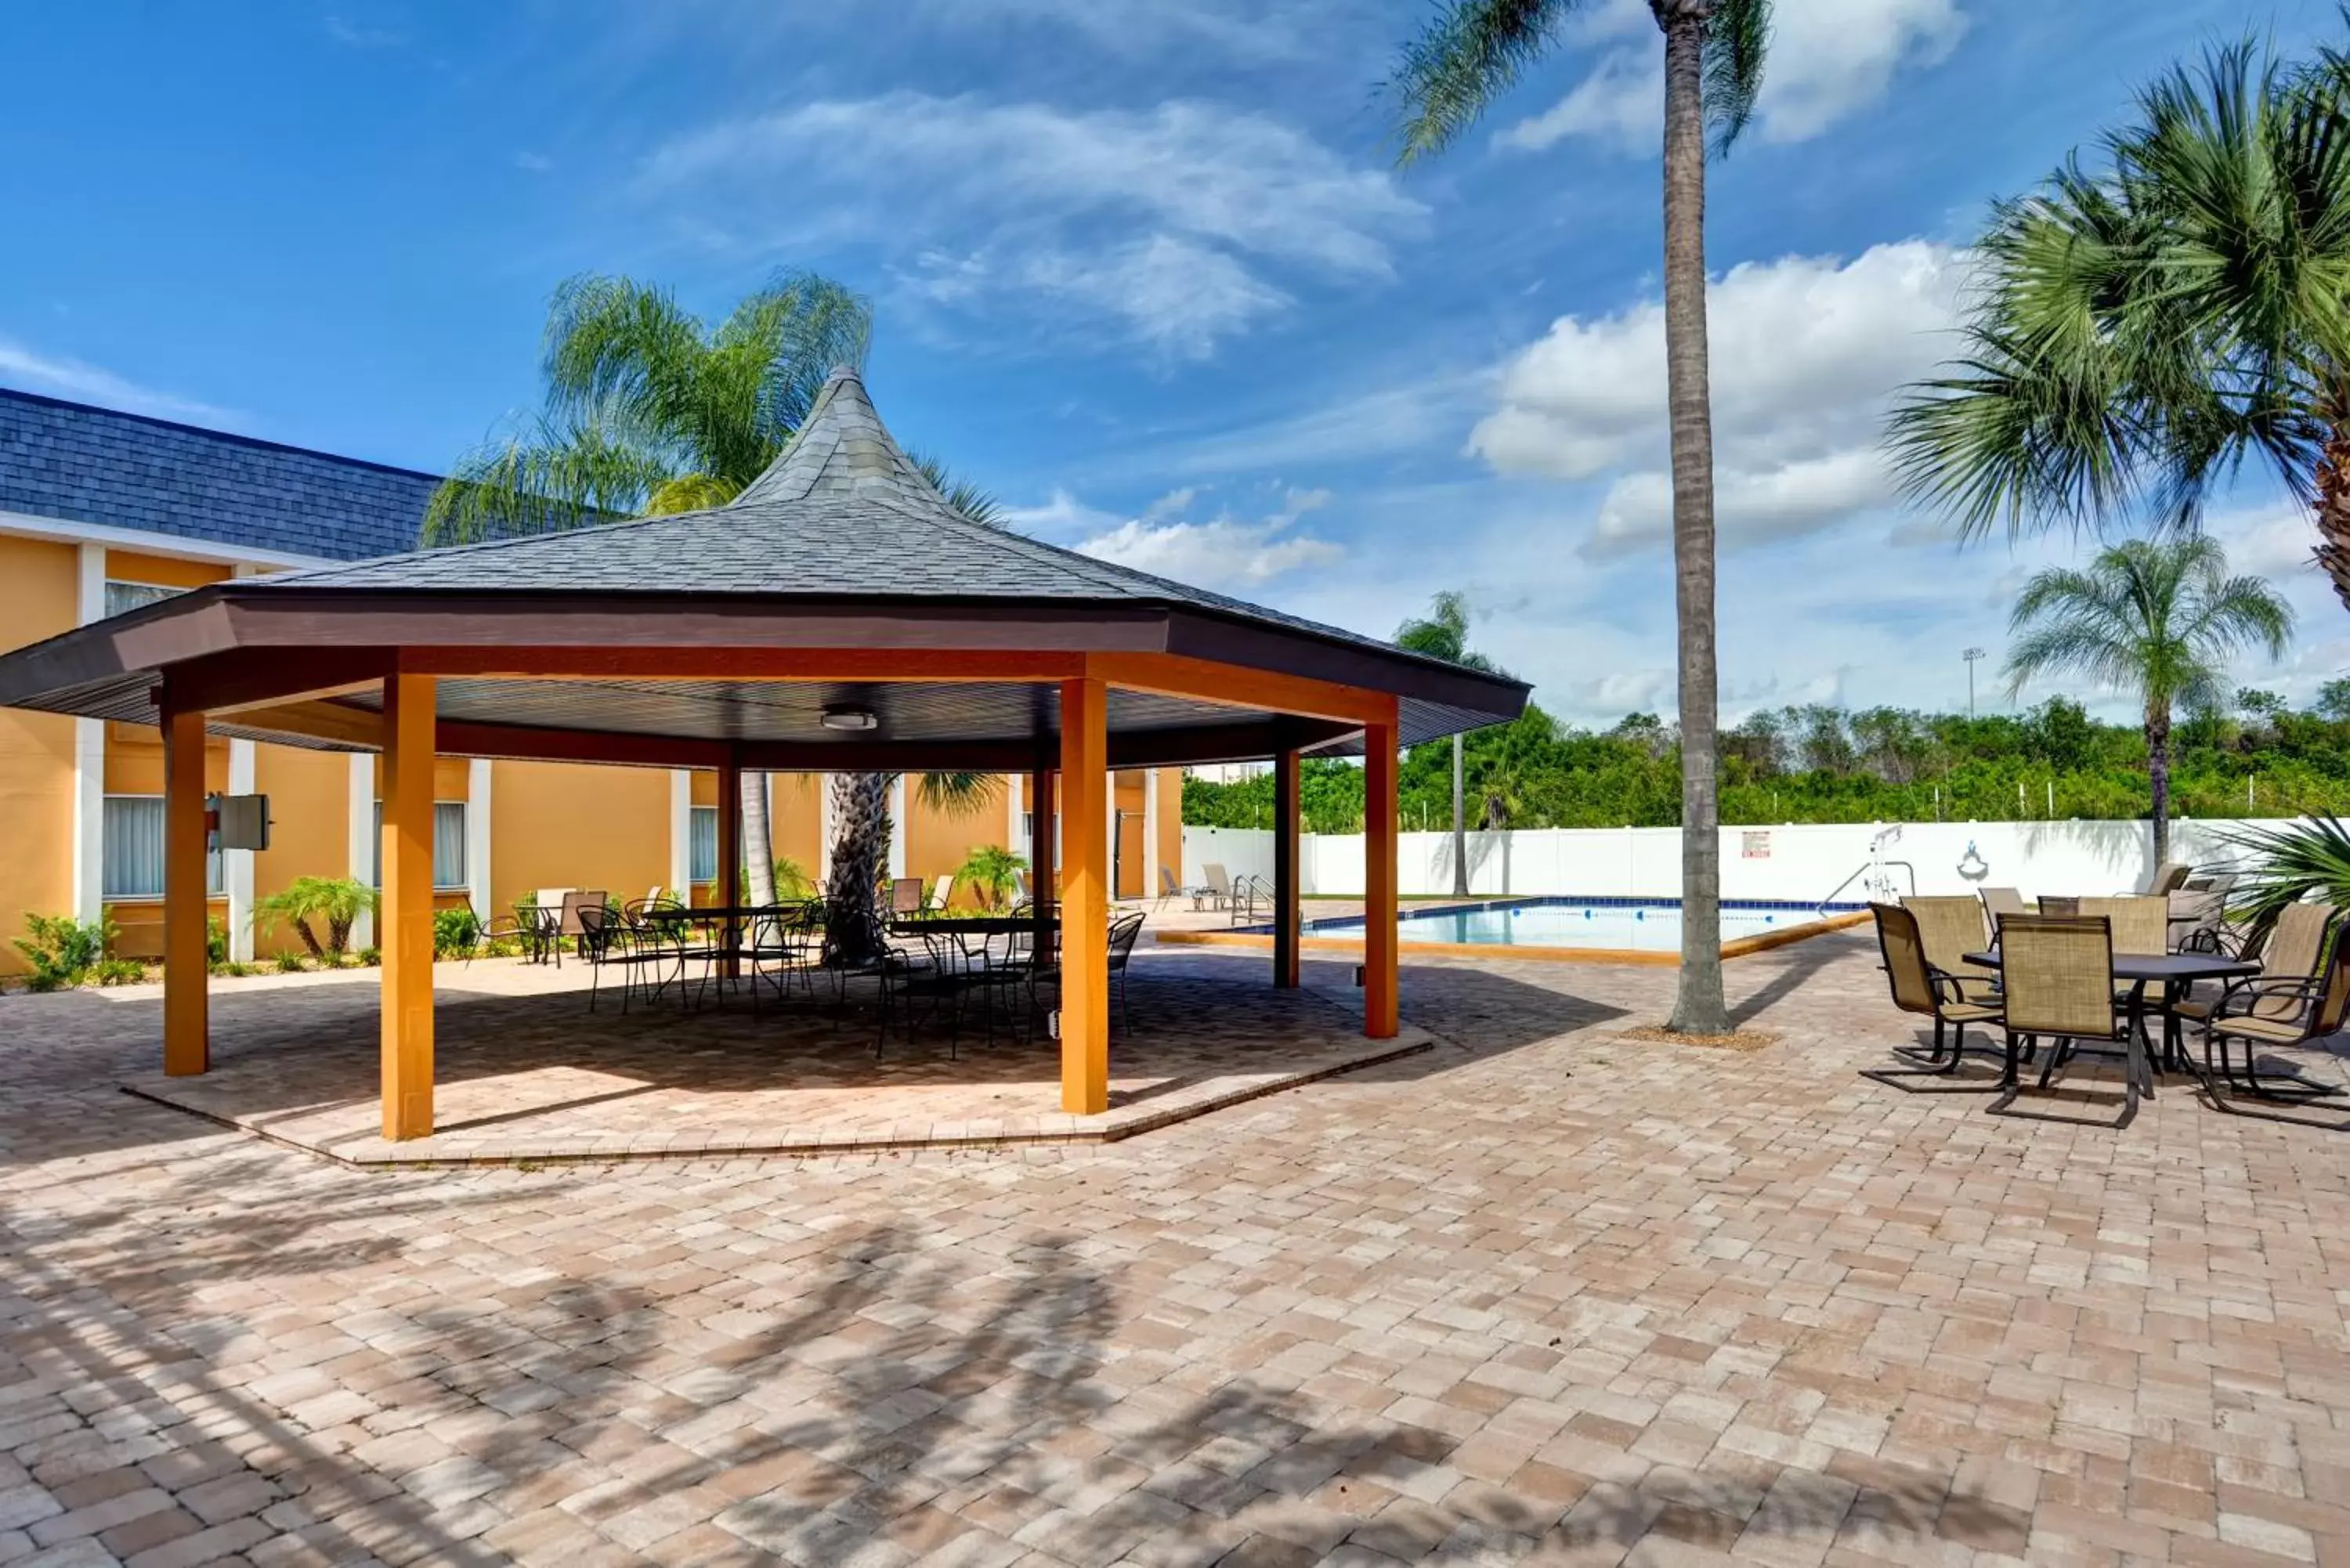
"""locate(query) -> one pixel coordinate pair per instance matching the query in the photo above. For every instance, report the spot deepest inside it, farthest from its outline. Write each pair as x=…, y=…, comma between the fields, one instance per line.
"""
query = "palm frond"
x=556, y=477
x=1737, y=39
x=2143, y=328
x=1471, y=52
x=2286, y=865
x=960, y=793
x=965, y=495
x=690, y=493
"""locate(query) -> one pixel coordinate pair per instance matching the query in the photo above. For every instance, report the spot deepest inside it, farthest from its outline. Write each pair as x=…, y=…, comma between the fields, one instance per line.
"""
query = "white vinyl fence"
x=1804, y=865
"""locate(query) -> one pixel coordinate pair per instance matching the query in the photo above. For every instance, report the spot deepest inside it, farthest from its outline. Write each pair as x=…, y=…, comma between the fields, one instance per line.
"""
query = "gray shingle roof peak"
x=841, y=512
x=842, y=448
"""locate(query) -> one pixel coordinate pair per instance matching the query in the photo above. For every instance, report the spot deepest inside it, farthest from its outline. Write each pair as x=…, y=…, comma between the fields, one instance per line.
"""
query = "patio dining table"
x=2173, y=972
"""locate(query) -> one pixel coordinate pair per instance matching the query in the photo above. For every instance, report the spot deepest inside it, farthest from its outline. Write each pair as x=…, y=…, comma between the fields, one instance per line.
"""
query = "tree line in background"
x=1821, y=763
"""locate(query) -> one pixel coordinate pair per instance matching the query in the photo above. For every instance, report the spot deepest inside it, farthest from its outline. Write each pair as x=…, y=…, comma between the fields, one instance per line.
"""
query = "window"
x=122, y=597
x=701, y=845
x=448, y=848
x=130, y=863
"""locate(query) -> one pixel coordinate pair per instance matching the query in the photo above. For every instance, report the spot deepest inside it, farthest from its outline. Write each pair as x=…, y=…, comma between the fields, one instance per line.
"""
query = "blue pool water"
x=1577, y=923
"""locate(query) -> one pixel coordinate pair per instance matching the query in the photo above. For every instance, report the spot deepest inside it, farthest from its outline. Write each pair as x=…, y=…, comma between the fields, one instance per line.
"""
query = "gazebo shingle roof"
x=841, y=499
x=841, y=532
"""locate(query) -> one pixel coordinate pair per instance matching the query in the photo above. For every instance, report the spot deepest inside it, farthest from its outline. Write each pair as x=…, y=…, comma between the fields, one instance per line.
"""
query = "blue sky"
x=1145, y=270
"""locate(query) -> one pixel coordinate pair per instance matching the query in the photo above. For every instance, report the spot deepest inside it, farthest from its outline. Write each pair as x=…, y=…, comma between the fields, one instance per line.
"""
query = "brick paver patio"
x=526, y=1070
x=1540, y=1291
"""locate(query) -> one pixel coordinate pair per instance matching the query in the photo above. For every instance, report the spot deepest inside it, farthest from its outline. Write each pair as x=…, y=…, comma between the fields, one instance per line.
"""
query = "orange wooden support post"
x=406, y=938
x=1379, y=981
x=187, y=1025
x=1286, y=811
x=728, y=890
x=1085, y=897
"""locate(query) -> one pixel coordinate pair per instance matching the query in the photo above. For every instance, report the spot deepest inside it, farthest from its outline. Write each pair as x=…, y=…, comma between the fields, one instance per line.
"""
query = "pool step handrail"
x=1875, y=874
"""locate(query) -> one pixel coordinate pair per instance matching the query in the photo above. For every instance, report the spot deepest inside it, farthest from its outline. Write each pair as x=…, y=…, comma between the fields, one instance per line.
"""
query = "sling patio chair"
x=1951, y=927
x=568, y=925
x=2197, y=918
x=2261, y=1011
x=2061, y=907
x=906, y=895
x=1921, y=988
x=2289, y=958
x=2058, y=981
x=2169, y=877
x=2140, y=921
x=1998, y=901
x=1171, y=886
x=942, y=889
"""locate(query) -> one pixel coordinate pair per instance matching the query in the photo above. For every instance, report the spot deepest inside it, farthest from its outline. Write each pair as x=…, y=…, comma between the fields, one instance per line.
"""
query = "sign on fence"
x=1755, y=845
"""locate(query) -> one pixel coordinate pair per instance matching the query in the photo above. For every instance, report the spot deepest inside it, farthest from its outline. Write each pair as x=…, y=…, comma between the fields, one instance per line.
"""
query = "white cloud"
x=1172, y=221
x=1806, y=353
x=1248, y=30
x=1828, y=59
x=73, y=378
x=1225, y=551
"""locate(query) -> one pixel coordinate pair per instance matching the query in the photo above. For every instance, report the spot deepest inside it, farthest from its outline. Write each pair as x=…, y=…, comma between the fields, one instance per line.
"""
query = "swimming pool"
x=1617, y=925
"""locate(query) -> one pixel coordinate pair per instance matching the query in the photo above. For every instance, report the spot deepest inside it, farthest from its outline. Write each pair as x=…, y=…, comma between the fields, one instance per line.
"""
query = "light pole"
x=1970, y=655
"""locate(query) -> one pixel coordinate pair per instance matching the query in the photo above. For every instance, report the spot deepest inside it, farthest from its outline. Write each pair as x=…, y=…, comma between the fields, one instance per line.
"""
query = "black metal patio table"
x=2173, y=972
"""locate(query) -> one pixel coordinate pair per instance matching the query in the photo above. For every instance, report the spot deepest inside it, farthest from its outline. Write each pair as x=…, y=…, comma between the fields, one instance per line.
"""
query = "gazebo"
x=839, y=582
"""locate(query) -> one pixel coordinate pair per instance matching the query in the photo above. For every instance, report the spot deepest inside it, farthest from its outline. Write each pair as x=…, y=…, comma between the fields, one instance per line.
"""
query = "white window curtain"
x=131, y=850
x=124, y=597
x=701, y=845
x=448, y=848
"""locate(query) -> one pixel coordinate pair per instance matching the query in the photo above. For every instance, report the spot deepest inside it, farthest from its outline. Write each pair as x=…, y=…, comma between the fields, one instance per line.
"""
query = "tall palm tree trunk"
x=860, y=816
x=2158, y=776
x=1699, y=1010
x=758, y=844
x=2332, y=483
x=1460, y=827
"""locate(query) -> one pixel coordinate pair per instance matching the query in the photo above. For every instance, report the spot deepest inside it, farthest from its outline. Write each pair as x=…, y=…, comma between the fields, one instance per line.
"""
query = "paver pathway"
x=1539, y=1293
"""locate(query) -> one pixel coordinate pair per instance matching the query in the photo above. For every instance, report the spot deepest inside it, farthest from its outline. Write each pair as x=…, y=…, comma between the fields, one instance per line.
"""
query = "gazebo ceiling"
x=839, y=577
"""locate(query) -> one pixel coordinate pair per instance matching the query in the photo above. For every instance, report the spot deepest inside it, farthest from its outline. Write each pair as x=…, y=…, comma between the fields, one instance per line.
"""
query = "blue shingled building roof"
x=87, y=464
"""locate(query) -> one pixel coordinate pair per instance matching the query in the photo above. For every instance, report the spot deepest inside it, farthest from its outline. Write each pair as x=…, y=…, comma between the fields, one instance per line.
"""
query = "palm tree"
x=1443, y=633
x=648, y=410
x=1460, y=62
x=2145, y=329
x=2158, y=619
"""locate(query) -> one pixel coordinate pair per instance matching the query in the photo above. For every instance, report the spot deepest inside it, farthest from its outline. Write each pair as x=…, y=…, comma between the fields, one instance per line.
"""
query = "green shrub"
x=62, y=950
x=235, y=970
x=371, y=957
x=290, y=963
x=455, y=932
x=335, y=901
x=118, y=972
x=991, y=869
x=215, y=941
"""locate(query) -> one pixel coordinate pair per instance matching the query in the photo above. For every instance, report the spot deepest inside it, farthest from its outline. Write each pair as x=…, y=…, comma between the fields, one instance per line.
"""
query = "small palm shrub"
x=289, y=963
x=2283, y=866
x=333, y=903
x=990, y=868
x=118, y=972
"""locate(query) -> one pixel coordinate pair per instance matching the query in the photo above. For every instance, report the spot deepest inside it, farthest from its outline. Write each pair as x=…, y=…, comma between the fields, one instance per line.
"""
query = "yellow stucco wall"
x=39, y=588
x=564, y=824
x=130, y=566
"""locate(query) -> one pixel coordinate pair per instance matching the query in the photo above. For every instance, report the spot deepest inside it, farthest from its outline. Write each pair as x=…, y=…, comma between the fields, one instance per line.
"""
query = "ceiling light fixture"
x=850, y=719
